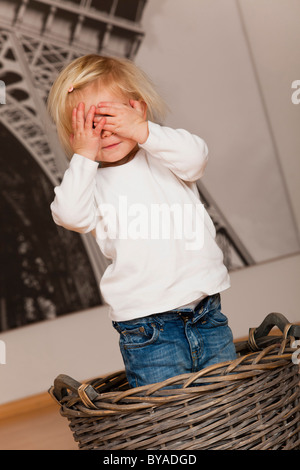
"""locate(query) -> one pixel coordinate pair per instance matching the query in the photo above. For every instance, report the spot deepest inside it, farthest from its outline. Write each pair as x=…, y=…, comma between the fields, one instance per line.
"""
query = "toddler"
x=132, y=183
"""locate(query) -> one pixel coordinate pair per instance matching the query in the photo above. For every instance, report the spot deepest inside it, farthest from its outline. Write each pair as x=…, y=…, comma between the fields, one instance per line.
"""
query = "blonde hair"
x=120, y=75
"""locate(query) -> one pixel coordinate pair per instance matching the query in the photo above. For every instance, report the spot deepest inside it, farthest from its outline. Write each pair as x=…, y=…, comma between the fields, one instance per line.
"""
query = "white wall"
x=274, y=34
x=262, y=289
x=197, y=53
x=82, y=345
x=200, y=57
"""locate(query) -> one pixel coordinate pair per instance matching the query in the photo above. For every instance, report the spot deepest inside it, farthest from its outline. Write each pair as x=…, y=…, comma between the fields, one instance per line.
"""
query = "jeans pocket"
x=135, y=335
x=212, y=319
x=217, y=318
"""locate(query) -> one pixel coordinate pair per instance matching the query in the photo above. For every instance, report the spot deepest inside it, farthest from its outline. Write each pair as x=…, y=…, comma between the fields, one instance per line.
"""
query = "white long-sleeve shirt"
x=147, y=218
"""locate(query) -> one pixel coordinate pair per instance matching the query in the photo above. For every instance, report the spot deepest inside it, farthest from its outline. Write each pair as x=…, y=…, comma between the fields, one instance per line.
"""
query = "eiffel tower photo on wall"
x=46, y=271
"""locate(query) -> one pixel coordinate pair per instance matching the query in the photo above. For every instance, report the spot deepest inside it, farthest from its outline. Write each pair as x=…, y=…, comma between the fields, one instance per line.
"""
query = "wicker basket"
x=250, y=403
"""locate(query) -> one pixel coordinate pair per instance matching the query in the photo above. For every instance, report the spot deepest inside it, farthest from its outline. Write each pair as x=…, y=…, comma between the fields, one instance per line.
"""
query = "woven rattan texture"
x=250, y=403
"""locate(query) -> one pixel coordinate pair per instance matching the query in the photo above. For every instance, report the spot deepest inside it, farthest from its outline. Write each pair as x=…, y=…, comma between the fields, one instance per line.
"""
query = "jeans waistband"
x=189, y=311
x=198, y=306
x=193, y=314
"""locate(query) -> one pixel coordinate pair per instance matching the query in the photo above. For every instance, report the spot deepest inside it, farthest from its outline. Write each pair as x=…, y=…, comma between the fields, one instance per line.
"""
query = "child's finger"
x=137, y=106
x=74, y=118
x=108, y=119
x=110, y=104
x=134, y=104
x=107, y=110
x=99, y=127
x=90, y=117
x=80, y=116
x=110, y=128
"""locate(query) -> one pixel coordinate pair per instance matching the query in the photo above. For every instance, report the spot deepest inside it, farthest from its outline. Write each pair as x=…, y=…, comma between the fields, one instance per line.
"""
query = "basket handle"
x=63, y=383
x=271, y=320
x=278, y=320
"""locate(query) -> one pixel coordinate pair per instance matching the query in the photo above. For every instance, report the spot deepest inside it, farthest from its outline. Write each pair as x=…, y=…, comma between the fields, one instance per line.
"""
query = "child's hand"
x=124, y=120
x=86, y=140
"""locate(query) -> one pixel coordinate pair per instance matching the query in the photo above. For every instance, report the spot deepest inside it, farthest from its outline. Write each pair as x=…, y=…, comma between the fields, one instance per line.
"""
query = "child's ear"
x=145, y=107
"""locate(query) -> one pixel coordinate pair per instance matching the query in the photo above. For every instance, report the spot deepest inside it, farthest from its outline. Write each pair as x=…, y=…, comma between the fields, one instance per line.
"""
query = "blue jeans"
x=163, y=345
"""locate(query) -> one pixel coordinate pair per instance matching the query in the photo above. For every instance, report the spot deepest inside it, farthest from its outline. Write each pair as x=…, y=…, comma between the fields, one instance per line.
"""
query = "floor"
x=43, y=429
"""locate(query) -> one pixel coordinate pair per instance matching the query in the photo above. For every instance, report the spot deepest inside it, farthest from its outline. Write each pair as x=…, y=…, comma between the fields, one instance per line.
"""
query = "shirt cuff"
x=83, y=163
x=152, y=139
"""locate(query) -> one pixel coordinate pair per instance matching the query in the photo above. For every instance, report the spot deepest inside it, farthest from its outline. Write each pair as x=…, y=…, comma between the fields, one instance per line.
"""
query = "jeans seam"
x=198, y=352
